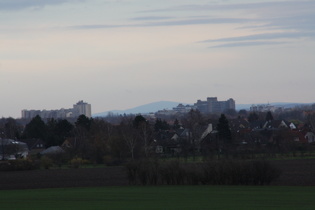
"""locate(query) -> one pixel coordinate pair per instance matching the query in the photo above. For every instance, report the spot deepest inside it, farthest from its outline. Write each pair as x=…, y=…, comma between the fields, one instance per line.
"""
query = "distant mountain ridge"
x=160, y=105
x=147, y=108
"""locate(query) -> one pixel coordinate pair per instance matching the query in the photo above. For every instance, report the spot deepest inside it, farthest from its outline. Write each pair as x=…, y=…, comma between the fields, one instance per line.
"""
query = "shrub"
x=19, y=165
x=78, y=162
x=264, y=173
x=240, y=173
x=172, y=173
x=110, y=161
x=145, y=172
x=150, y=172
x=193, y=174
x=46, y=162
x=132, y=171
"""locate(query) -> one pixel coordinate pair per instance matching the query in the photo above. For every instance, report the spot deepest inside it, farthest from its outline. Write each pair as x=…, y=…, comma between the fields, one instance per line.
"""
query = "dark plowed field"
x=294, y=173
x=62, y=178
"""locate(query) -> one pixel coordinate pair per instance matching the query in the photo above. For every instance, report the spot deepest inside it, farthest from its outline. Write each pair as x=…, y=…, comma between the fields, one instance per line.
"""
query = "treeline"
x=100, y=141
x=226, y=172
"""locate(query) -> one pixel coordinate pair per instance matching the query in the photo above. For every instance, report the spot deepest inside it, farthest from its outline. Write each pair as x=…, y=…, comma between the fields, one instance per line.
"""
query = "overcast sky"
x=118, y=54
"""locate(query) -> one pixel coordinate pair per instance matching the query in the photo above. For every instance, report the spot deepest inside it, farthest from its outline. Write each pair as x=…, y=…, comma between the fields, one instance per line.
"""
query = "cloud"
x=247, y=44
x=199, y=21
x=295, y=20
x=283, y=15
x=280, y=7
x=300, y=22
x=151, y=18
x=264, y=36
x=98, y=26
x=192, y=21
x=23, y=4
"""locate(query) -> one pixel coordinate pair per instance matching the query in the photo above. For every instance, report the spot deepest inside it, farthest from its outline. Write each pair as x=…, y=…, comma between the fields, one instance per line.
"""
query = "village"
x=189, y=132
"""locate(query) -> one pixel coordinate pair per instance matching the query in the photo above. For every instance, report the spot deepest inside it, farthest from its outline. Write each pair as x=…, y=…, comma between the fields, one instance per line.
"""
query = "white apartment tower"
x=82, y=108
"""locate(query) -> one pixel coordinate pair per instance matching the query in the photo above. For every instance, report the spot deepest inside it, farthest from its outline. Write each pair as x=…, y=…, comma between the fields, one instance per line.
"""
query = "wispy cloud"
x=192, y=21
x=295, y=20
x=151, y=18
x=299, y=22
x=281, y=14
x=23, y=4
x=247, y=44
x=280, y=7
x=264, y=36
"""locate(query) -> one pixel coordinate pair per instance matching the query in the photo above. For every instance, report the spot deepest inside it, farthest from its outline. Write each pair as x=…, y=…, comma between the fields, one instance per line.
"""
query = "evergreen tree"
x=224, y=132
x=84, y=122
x=58, y=131
x=36, y=128
x=161, y=125
x=139, y=119
x=12, y=129
x=269, y=116
x=176, y=124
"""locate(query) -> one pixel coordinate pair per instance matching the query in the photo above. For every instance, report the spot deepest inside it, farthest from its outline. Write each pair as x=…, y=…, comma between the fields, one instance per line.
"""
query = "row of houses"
x=244, y=134
x=11, y=149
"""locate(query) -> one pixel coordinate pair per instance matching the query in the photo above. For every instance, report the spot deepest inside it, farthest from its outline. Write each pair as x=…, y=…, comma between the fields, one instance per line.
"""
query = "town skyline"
x=154, y=107
x=123, y=54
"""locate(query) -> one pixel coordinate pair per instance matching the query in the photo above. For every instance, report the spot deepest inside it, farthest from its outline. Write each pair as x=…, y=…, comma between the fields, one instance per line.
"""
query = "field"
x=107, y=188
x=162, y=197
x=298, y=172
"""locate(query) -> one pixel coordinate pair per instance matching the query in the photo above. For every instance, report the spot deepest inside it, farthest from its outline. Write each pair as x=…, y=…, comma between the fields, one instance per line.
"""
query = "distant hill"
x=160, y=105
x=147, y=108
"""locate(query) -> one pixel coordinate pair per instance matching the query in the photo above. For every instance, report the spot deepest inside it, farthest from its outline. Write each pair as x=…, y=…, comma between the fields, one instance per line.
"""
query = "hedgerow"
x=226, y=172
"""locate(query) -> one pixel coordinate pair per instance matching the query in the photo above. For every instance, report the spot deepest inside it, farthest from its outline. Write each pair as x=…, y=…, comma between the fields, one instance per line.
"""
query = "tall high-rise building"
x=82, y=108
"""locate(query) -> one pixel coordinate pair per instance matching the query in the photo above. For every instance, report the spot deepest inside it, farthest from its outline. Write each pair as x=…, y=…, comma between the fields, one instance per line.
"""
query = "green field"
x=162, y=197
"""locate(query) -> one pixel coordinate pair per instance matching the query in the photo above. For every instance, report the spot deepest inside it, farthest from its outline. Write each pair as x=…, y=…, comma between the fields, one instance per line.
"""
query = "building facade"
x=212, y=105
x=80, y=108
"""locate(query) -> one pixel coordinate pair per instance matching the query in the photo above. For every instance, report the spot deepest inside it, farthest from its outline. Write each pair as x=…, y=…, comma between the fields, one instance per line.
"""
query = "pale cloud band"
x=295, y=19
x=23, y=4
x=264, y=36
x=191, y=21
x=248, y=44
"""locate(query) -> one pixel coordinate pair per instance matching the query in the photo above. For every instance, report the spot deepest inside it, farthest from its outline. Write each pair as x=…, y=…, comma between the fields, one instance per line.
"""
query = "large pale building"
x=80, y=108
x=212, y=105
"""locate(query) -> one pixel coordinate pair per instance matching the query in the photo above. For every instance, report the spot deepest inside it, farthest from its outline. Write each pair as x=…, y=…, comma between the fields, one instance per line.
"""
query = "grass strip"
x=162, y=197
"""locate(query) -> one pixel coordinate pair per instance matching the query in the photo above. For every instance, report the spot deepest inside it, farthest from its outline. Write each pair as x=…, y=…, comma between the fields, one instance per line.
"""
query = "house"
x=35, y=146
x=310, y=137
x=166, y=142
x=69, y=143
x=276, y=124
x=11, y=149
x=292, y=126
x=207, y=131
x=53, y=150
x=240, y=128
x=257, y=125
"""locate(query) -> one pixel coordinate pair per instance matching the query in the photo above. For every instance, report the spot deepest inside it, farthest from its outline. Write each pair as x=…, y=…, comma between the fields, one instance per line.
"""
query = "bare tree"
x=311, y=121
x=130, y=136
x=193, y=121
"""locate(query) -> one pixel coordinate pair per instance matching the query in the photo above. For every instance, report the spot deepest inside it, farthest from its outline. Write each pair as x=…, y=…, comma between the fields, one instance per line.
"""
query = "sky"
x=119, y=54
